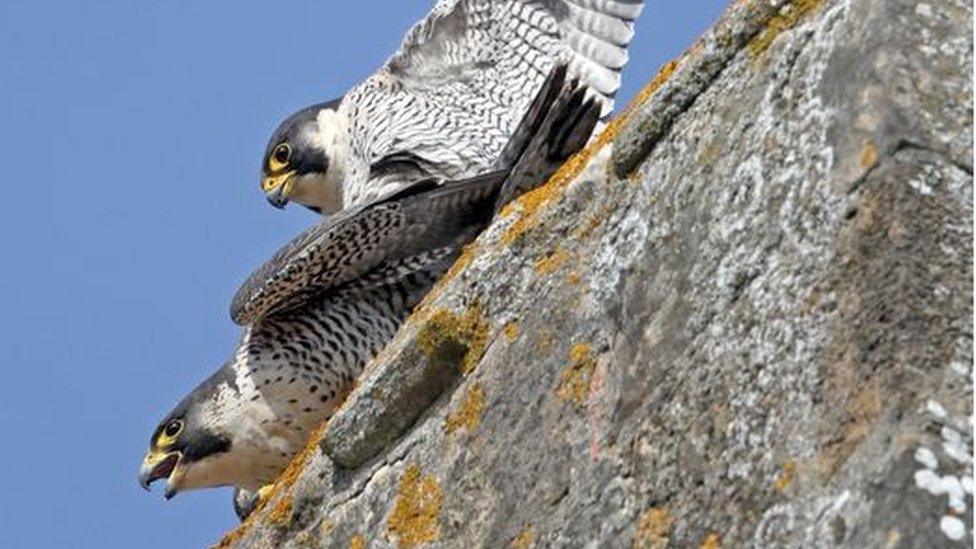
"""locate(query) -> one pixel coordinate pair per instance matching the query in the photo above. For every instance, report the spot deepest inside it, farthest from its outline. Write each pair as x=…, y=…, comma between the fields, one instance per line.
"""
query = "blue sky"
x=130, y=142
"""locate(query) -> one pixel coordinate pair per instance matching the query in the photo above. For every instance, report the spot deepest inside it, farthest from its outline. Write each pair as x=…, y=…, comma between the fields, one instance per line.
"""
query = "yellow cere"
x=273, y=182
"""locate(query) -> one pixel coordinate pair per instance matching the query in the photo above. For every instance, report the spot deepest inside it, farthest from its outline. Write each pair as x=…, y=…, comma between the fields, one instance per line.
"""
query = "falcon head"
x=193, y=447
x=305, y=157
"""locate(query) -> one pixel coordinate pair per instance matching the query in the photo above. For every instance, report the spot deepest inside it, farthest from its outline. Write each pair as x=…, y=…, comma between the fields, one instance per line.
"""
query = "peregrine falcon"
x=448, y=101
x=327, y=302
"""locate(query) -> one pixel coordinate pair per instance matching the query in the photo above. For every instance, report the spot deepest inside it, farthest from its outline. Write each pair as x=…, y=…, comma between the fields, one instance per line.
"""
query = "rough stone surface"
x=751, y=325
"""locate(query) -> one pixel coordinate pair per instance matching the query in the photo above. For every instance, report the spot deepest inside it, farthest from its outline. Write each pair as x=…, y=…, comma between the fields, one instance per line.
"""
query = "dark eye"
x=282, y=153
x=173, y=428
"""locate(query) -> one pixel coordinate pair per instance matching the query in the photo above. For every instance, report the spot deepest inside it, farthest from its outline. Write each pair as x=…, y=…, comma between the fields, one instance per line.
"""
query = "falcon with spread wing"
x=325, y=304
x=446, y=104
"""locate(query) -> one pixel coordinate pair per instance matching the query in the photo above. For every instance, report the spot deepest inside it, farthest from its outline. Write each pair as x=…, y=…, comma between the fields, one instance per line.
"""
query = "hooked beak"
x=277, y=188
x=159, y=465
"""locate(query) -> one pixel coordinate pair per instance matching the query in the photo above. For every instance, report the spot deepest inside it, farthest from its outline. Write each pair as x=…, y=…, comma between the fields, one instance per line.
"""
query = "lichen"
x=550, y=263
x=445, y=333
x=788, y=17
x=530, y=204
x=461, y=263
x=416, y=512
x=468, y=414
x=653, y=528
x=357, y=542
x=524, y=539
x=305, y=539
x=713, y=541
x=280, y=514
x=574, y=383
x=786, y=476
x=511, y=331
x=284, y=483
x=594, y=221
x=869, y=155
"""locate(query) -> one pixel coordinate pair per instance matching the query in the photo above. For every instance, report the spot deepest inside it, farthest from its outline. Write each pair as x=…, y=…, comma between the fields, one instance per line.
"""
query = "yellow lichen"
x=575, y=380
x=788, y=17
x=416, y=513
x=573, y=278
x=304, y=539
x=524, y=539
x=511, y=331
x=869, y=155
x=357, y=542
x=713, y=541
x=653, y=528
x=529, y=204
x=468, y=414
x=280, y=514
x=786, y=476
x=548, y=264
x=461, y=263
x=284, y=483
x=592, y=223
x=444, y=334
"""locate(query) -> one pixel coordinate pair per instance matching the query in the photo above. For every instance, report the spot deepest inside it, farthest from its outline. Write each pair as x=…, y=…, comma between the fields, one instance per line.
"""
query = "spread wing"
x=403, y=232
x=465, y=75
x=508, y=46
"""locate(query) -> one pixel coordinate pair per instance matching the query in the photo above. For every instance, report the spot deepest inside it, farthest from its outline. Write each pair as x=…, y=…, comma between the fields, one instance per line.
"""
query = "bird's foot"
x=246, y=502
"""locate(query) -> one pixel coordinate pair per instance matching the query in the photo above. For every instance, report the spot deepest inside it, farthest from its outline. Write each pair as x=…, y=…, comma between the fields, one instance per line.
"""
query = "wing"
x=510, y=45
x=465, y=75
x=418, y=226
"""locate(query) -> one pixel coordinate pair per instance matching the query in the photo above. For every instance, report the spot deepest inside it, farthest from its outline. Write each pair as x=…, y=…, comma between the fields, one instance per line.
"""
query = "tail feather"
x=564, y=122
x=599, y=32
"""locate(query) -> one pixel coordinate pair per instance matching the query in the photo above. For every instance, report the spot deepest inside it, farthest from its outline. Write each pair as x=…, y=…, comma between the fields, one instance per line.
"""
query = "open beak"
x=277, y=188
x=162, y=465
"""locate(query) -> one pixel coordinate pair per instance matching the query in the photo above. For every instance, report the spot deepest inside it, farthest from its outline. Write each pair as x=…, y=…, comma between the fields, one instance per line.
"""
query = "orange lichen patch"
x=285, y=481
x=357, y=542
x=790, y=16
x=785, y=478
x=549, y=264
x=653, y=528
x=444, y=332
x=592, y=223
x=869, y=155
x=464, y=260
x=575, y=380
x=573, y=278
x=280, y=514
x=530, y=203
x=713, y=541
x=511, y=331
x=642, y=97
x=461, y=263
x=416, y=513
x=468, y=414
x=524, y=539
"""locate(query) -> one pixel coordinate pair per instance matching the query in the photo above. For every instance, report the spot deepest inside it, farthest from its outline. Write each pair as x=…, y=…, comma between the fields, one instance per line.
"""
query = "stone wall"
x=749, y=324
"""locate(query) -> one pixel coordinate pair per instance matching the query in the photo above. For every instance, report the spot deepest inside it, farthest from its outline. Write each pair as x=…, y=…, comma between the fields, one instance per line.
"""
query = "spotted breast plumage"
x=445, y=104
